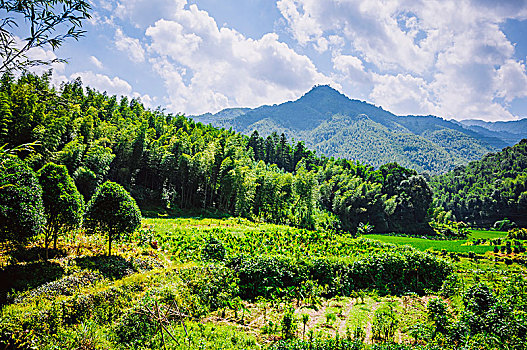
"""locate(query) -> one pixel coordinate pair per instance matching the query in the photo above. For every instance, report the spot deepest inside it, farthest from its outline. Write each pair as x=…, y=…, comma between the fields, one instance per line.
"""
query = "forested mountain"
x=334, y=125
x=488, y=190
x=510, y=131
x=173, y=162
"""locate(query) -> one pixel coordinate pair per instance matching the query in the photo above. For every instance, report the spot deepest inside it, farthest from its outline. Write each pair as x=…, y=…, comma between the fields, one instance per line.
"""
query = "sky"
x=460, y=59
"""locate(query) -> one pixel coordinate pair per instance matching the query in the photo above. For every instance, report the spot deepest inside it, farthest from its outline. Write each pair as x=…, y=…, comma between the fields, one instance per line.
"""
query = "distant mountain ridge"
x=335, y=125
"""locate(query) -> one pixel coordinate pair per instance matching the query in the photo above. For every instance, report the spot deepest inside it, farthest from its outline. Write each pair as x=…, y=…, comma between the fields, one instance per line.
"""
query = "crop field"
x=454, y=246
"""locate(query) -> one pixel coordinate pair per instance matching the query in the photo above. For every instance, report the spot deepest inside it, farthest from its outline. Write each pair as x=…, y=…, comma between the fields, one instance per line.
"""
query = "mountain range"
x=336, y=126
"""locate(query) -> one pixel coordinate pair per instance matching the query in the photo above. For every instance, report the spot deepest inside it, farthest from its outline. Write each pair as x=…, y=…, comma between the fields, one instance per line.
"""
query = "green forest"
x=128, y=228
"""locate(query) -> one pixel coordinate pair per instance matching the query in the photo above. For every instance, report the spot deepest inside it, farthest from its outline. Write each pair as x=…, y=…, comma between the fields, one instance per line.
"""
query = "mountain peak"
x=322, y=89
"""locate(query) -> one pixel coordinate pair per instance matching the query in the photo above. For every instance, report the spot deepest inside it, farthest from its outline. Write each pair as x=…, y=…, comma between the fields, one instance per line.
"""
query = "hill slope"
x=488, y=190
x=334, y=125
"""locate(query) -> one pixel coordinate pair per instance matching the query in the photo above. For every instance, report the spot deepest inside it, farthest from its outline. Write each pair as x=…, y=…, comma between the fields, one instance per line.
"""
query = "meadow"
x=454, y=246
x=231, y=283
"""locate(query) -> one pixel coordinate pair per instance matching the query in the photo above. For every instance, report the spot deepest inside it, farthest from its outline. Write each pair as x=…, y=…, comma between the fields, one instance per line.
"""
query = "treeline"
x=487, y=191
x=170, y=161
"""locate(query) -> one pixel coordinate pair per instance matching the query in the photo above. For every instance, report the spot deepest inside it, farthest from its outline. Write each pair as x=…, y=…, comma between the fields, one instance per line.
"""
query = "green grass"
x=485, y=234
x=424, y=244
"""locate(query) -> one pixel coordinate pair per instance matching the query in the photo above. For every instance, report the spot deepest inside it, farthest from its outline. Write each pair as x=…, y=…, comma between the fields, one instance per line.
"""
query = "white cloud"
x=207, y=68
x=403, y=94
x=130, y=46
x=142, y=13
x=96, y=62
x=511, y=80
x=101, y=82
x=352, y=68
x=451, y=56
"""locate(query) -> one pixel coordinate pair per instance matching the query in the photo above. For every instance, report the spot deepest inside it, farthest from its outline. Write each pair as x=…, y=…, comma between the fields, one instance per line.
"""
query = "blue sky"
x=456, y=59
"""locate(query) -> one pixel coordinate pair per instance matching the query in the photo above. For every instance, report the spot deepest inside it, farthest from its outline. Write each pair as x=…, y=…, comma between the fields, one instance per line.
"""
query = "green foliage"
x=396, y=272
x=438, y=314
x=488, y=190
x=49, y=24
x=63, y=204
x=21, y=210
x=289, y=324
x=517, y=233
x=213, y=250
x=318, y=344
x=112, y=210
x=384, y=323
x=335, y=126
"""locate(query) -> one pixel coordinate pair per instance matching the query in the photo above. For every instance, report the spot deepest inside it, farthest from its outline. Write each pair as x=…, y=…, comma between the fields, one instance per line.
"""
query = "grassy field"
x=455, y=246
x=424, y=244
x=486, y=234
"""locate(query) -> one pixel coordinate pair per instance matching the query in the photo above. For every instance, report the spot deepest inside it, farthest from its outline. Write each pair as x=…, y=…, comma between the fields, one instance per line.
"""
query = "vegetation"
x=45, y=24
x=287, y=263
x=170, y=162
x=113, y=211
x=335, y=126
x=487, y=191
x=21, y=208
x=63, y=204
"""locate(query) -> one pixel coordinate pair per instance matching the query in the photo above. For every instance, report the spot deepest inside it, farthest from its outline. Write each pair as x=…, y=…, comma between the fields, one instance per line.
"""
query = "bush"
x=112, y=210
x=384, y=323
x=393, y=273
x=213, y=250
x=21, y=210
x=136, y=328
x=438, y=314
x=63, y=204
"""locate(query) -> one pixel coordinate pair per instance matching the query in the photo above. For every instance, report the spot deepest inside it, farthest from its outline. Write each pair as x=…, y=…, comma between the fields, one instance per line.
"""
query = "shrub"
x=289, y=324
x=438, y=314
x=213, y=250
x=136, y=328
x=21, y=210
x=384, y=323
x=63, y=204
x=112, y=210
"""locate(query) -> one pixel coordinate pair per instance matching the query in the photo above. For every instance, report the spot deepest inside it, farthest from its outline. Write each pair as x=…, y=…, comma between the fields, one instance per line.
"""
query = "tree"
x=49, y=24
x=21, y=210
x=113, y=211
x=63, y=204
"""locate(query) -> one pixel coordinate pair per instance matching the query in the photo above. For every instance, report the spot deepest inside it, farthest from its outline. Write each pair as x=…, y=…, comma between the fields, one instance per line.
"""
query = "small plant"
x=330, y=318
x=289, y=324
x=359, y=334
x=438, y=314
x=213, y=250
x=384, y=323
x=305, y=320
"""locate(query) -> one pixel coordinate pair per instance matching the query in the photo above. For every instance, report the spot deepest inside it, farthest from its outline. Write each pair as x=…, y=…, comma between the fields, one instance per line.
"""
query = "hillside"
x=336, y=126
x=510, y=131
x=488, y=190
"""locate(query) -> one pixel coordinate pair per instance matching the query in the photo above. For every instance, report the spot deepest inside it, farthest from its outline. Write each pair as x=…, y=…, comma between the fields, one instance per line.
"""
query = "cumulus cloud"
x=451, y=55
x=207, y=68
x=96, y=62
x=103, y=83
x=131, y=46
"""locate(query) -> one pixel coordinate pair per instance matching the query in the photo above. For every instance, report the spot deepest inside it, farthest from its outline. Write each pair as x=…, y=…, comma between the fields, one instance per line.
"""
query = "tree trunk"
x=109, y=245
x=46, y=245
x=55, y=238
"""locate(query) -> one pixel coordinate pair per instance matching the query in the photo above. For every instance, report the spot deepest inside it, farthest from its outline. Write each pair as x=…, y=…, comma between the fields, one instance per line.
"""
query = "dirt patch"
x=369, y=337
